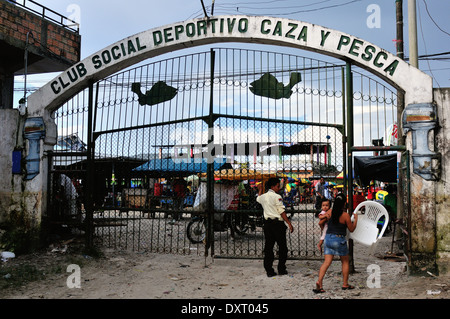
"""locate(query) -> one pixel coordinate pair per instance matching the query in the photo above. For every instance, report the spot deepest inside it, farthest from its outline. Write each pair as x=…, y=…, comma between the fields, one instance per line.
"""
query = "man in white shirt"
x=274, y=227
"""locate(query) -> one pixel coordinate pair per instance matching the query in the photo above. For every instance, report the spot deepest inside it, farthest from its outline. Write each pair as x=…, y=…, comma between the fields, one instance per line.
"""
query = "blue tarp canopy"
x=180, y=167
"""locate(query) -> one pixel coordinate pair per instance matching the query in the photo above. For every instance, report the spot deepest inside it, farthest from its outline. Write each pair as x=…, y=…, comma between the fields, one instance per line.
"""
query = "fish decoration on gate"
x=269, y=86
x=160, y=92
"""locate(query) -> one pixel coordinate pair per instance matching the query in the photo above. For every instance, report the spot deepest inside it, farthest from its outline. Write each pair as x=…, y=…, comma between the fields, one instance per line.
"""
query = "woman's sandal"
x=348, y=287
x=318, y=290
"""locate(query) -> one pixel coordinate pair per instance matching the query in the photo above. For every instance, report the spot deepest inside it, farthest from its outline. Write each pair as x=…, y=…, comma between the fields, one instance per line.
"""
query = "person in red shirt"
x=179, y=190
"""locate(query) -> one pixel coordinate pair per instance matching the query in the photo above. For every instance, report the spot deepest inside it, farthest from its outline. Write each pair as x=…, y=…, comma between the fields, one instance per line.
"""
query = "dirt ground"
x=127, y=275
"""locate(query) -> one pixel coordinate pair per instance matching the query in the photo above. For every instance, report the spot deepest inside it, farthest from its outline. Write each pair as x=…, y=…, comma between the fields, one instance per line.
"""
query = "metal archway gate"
x=224, y=120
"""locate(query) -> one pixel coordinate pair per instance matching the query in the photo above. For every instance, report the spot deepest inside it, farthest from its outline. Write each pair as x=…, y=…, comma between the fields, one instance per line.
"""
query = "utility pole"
x=412, y=24
x=400, y=46
x=399, y=41
x=400, y=107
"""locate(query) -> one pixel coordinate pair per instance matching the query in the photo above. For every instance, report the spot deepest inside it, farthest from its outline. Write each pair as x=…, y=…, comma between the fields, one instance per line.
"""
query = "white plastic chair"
x=366, y=231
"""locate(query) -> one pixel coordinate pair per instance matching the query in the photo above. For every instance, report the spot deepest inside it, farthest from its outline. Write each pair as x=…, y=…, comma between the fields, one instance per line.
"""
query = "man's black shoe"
x=284, y=272
x=271, y=274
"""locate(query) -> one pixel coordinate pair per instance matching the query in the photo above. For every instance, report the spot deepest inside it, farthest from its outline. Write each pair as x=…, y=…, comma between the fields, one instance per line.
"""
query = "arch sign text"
x=249, y=29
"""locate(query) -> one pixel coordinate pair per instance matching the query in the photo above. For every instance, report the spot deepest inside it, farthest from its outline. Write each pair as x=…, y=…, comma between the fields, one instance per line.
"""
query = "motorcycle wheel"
x=239, y=222
x=196, y=231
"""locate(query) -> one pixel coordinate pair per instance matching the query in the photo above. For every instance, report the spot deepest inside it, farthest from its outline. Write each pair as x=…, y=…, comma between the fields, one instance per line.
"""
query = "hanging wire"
x=247, y=8
x=425, y=47
x=428, y=12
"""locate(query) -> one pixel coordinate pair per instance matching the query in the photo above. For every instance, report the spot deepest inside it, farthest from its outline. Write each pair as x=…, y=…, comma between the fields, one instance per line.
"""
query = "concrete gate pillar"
x=442, y=187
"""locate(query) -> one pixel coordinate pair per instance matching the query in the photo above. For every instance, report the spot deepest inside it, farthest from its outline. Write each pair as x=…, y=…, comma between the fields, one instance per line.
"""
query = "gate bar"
x=350, y=132
x=215, y=116
x=340, y=127
x=90, y=172
x=210, y=166
x=378, y=148
x=350, y=141
x=344, y=135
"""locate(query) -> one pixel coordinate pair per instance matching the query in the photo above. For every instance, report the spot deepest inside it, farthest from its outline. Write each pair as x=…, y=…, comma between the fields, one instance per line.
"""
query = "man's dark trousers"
x=275, y=232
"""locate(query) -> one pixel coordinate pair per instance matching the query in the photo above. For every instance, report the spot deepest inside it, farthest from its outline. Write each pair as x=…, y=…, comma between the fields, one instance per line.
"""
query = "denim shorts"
x=335, y=245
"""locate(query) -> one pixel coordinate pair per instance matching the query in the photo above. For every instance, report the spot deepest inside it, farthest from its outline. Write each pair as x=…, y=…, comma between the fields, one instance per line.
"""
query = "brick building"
x=35, y=36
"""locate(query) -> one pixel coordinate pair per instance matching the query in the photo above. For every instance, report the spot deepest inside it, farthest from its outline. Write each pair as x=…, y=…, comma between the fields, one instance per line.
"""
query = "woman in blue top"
x=336, y=242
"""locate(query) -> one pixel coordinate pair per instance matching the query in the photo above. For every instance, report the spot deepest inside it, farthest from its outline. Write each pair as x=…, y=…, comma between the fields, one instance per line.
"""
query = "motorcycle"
x=238, y=223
